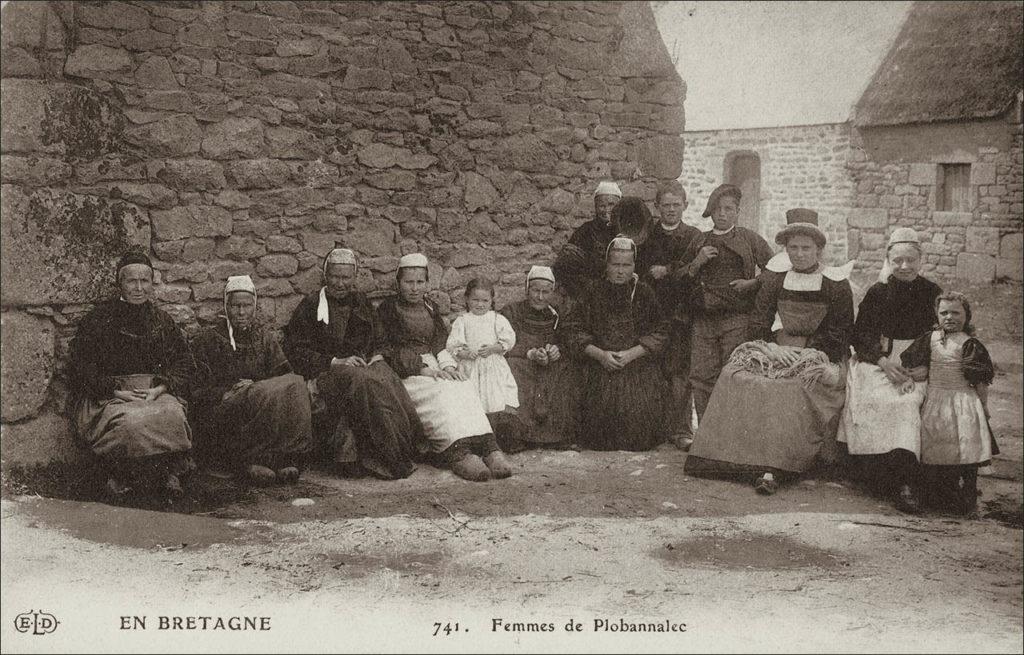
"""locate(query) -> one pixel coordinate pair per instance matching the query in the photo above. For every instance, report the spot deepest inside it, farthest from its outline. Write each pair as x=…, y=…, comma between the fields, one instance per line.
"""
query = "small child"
x=479, y=340
x=955, y=436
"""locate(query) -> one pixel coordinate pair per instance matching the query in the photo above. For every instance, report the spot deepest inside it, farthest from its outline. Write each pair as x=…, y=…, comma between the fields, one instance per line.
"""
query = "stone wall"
x=253, y=137
x=801, y=166
x=896, y=171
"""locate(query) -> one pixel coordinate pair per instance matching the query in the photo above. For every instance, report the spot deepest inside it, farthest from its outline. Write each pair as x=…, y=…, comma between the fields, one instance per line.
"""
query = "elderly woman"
x=336, y=342
x=616, y=331
x=128, y=362
x=252, y=404
x=580, y=262
x=719, y=269
x=453, y=417
x=548, y=384
x=881, y=422
x=777, y=402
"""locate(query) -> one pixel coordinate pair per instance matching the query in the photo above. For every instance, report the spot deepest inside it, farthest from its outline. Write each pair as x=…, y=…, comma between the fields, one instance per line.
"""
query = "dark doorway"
x=743, y=168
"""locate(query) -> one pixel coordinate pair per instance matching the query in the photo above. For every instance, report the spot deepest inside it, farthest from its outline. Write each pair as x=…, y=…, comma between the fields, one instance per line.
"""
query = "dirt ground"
x=581, y=537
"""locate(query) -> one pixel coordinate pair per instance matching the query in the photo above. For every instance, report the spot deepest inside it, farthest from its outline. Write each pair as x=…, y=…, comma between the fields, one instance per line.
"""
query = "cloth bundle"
x=762, y=359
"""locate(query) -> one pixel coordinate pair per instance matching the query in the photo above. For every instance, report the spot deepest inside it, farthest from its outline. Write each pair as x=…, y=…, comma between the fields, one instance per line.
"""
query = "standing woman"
x=452, y=414
x=548, y=385
x=881, y=422
x=615, y=331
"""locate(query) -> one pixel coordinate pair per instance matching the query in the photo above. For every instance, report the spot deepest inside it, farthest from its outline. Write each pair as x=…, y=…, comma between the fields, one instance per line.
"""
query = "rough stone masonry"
x=253, y=137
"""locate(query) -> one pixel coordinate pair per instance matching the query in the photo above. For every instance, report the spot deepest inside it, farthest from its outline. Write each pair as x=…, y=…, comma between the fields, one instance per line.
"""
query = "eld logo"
x=38, y=623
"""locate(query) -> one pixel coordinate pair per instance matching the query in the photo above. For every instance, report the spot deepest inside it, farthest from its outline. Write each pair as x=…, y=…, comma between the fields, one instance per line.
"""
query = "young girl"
x=955, y=435
x=479, y=340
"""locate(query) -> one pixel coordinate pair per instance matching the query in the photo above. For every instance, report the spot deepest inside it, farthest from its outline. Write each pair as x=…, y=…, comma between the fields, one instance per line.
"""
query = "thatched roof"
x=952, y=61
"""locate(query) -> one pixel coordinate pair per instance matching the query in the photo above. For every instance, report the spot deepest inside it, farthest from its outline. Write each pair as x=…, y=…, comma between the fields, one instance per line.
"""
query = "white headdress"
x=543, y=273
x=608, y=188
x=899, y=235
x=236, y=283
x=336, y=256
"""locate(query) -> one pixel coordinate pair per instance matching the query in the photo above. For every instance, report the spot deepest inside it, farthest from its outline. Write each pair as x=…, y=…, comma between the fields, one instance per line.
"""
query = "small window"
x=953, y=193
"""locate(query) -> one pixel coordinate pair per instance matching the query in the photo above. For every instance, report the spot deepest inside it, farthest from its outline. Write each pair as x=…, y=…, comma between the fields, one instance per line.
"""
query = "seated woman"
x=254, y=409
x=448, y=406
x=614, y=331
x=881, y=422
x=336, y=342
x=776, y=404
x=549, y=390
x=127, y=362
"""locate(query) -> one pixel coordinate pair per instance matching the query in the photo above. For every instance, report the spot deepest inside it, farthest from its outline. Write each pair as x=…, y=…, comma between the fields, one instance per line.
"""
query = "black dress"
x=622, y=410
x=368, y=403
x=549, y=395
x=266, y=423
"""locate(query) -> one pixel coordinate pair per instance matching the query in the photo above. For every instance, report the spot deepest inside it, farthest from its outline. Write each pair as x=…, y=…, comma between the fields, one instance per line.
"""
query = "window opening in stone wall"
x=954, y=192
x=743, y=168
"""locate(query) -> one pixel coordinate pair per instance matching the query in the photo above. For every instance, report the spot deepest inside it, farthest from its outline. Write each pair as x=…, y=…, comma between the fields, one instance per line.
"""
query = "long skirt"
x=624, y=410
x=493, y=380
x=138, y=438
x=549, y=399
x=449, y=410
x=369, y=418
x=121, y=429
x=266, y=423
x=753, y=423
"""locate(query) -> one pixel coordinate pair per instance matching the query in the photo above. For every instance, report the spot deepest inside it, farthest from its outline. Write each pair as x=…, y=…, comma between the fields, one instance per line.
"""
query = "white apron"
x=877, y=418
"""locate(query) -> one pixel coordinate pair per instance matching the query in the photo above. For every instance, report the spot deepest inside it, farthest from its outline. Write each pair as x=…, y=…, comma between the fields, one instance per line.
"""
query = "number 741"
x=446, y=628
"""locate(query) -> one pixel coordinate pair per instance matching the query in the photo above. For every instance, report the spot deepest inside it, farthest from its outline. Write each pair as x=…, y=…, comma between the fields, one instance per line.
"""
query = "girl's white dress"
x=954, y=430
x=490, y=375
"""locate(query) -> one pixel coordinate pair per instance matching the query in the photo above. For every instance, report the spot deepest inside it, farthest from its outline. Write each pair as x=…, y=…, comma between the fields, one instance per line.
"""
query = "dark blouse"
x=833, y=332
x=975, y=361
x=535, y=328
x=581, y=260
x=411, y=331
x=259, y=357
x=117, y=339
x=894, y=310
x=608, y=319
x=753, y=253
x=354, y=329
x=663, y=249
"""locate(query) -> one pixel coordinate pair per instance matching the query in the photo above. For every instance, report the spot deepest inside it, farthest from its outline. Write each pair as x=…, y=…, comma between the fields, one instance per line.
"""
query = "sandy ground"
x=579, y=537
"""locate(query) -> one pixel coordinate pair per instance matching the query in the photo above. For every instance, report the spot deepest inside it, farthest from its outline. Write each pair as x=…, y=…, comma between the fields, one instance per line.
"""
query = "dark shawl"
x=117, y=338
x=403, y=349
x=608, y=319
x=259, y=357
x=894, y=310
x=580, y=262
x=310, y=345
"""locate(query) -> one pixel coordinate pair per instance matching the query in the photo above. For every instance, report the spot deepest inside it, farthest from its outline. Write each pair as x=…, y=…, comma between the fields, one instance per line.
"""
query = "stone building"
x=934, y=142
x=253, y=137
